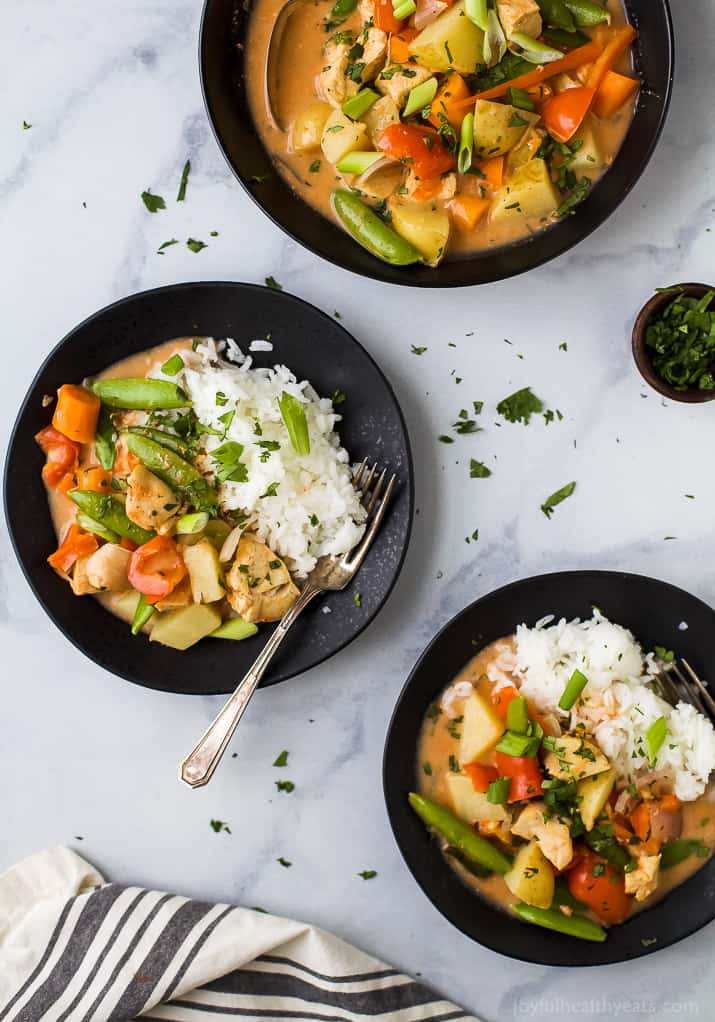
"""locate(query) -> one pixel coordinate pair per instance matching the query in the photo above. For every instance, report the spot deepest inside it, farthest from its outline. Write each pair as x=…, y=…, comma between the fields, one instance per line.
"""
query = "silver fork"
x=329, y=575
x=683, y=685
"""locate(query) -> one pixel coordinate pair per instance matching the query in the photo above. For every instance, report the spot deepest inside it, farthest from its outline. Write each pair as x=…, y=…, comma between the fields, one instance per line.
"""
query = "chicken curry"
x=539, y=821
x=430, y=128
x=139, y=523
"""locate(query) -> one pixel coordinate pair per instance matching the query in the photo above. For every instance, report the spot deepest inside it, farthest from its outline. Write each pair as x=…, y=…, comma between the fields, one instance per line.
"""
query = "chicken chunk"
x=447, y=189
x=374, y=44
x=381, y=115
x=178, y=597
x=333, y=83
x=79, y=580
x=573, y=757
x=150, y=502
x=553, y=836
x=367, y=10
x=520, y=16
x=107, y=568
x=397, y=81
x=643, y=880
x=259, y=586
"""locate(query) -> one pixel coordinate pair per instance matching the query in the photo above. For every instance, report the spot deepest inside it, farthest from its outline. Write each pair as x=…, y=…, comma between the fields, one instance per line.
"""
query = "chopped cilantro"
x=281, y=759
x=284, y=862
x=181, y=195
x=220, y=825
x=478, y=470
x=152, y=202
x=368, y=874
x=227, y=463
x=550, y=503
x=314, y=167
x=271, y=491
x=520, y=406
x=195, y=245
x=273, y=284
x=26, y=126
x=357, y=600
x=417, y=350
x=286, y=786
x=167, y=244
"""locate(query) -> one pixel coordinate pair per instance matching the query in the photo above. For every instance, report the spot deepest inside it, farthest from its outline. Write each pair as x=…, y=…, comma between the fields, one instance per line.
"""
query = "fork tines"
x=685, y=686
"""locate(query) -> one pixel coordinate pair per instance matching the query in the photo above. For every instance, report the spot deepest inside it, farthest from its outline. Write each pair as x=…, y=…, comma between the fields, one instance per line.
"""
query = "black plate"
x=223, y=39
x=653, y=611
x=315, y=347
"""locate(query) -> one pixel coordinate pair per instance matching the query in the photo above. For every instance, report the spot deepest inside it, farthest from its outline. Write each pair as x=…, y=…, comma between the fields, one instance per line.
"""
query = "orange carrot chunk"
x=76, y=413
x=75, y=544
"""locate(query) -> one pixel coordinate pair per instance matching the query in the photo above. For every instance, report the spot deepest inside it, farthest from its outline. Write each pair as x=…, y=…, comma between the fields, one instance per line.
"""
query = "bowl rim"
x=289, y=673
x=376, y=271
x=641, y=356
x=390, y=794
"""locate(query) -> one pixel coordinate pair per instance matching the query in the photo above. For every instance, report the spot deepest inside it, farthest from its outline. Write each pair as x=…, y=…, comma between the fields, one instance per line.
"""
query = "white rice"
x=316, y=509
x=618, y=704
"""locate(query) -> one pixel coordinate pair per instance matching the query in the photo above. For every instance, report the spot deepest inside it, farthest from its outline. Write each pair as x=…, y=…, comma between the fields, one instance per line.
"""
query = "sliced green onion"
x=142, y=614
x=404, y=10
x=521, y=99
x=172, y=366
x=586, y=13
x=517, y=715
x=189, y=525
x=498, y=791
x=655, y=736
x=476, y=11
x=466, y=144
x=235, y=628
x=574, y=687
x=532, y=50
x=420, y=96
x=513, y=744
x=358, y=162
x=358, y=105
x=90, y=525
x=293, y=415
x=494, y=40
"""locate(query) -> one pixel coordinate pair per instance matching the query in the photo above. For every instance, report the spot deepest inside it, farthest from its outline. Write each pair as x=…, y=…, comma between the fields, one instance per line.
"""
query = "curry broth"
x=301, y=61
x=436, y=745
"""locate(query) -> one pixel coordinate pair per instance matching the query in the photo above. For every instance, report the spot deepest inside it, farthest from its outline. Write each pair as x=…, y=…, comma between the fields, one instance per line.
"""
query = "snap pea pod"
x=89, y=525
x=532, y=50
x=366, y=227
x=556, y=14
x=678, y=851
x=109, y=512
x=142, y=394
x=587, y=13
x=160, y=436
x=104, y=440
x=459, y=835
x=174, y=470
x=551, y=919
x=142, y=614
x=567, y=40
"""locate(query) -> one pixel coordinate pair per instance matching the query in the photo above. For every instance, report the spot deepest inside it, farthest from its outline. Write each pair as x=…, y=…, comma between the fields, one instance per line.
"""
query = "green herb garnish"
x=293, y=415
x=681, y=343
x=227, y=463
x=281, y=759
x=520, y=406
x=152, y=202
x=478, y=470
x=550, y=503
x=172, y=365
x=195, y=245
x=368, y=874
x=181, y=195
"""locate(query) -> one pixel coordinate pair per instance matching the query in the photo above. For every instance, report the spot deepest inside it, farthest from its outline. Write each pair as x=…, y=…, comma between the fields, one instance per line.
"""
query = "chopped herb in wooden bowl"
x=681, y=342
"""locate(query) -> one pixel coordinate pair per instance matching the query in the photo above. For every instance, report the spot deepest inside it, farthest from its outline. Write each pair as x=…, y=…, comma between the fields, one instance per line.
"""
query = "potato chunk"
x=259, y=584
x=470, y=805
x=574, y=757
x=341, y=136
x=529, y=194
x=498, y=127
x=593, y=793
x=308, y=127
x=427, y=229
x=202, y=562
x=531, y=878
x=450, y=41
x=185, y=627
x=482, y=728
x=150, y=502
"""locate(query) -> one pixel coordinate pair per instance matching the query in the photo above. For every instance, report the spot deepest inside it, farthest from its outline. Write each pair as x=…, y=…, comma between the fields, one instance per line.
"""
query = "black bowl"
x=315, y=347
x=653, y=611
x=223, y=37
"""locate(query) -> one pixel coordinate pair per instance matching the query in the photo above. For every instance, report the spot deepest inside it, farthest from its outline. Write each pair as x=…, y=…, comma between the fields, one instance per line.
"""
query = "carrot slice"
x=445, y=103
x=94, y=478
x=76, y=413
x=467, y=211
x=493, y=170
x=614, y=91
x=586, y=54
x=617, y=45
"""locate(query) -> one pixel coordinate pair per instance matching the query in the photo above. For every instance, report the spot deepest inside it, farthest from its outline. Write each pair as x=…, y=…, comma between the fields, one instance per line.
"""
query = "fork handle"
x=198, y=767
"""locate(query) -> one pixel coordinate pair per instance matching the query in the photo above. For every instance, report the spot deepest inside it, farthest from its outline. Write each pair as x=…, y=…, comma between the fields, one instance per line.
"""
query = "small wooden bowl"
x=640, y=351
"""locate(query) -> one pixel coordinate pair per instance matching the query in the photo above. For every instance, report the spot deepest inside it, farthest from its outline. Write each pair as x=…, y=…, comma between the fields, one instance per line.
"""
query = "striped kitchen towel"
x=76, y=949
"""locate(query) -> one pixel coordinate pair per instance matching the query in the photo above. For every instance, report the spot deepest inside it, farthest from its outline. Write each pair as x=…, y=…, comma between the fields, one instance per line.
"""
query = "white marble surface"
x=112, y=93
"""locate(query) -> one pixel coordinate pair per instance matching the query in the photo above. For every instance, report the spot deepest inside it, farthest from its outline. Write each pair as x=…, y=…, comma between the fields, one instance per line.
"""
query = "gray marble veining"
x=112, y=94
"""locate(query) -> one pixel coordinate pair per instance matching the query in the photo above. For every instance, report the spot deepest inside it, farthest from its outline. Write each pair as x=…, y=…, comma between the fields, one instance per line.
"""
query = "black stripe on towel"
x=363, y=1002
x=158, y=959
x=42, y=962
x=273, y=1014
x=194, y=951
x=358, y=977
x=80, y=939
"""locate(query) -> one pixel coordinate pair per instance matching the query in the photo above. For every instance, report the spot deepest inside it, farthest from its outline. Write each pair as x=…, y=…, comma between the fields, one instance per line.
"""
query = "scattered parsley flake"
x=520, y=406
x=357, y=600
x=284, y=862
x=286, y=786
x=478, y=470
x=258, y=179
x=181, y=195
x=227, y=463
x=281, y=759
x=26, y=126
x=563, y=347
x=550, y=503
x=444, y=439
x=152, y=202
x=167, y=244
x=273, y=284
x=271, y=491
x=314, y=167
x=220, y=825
x=417, y=350
x=338, y=397
x=368, y=874
x=195, y=245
